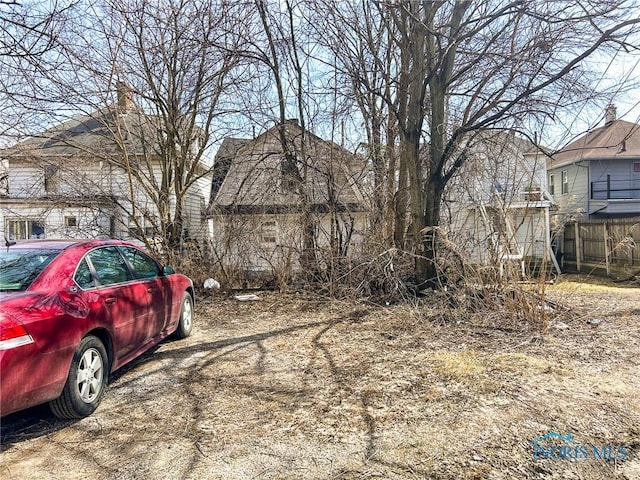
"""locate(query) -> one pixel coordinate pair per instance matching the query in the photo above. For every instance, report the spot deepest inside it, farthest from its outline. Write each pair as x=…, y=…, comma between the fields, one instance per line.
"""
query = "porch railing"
x=615, y=189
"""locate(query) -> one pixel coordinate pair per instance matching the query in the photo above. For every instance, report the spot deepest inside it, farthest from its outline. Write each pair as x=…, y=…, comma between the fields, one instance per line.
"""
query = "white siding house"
x=497, y=207
x=257, y=208
x=99, y=175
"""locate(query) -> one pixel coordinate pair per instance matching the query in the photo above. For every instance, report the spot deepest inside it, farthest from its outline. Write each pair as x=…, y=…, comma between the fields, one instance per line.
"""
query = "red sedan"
x=72, y=311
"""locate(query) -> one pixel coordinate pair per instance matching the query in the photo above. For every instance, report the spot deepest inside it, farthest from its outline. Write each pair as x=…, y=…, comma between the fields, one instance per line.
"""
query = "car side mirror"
x=168, y=270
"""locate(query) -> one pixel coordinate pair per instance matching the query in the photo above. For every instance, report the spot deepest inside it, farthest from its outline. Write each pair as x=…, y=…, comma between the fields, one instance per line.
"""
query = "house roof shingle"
x=104, y=131
x=253, y=175
x=103, y=134
x=617, y=139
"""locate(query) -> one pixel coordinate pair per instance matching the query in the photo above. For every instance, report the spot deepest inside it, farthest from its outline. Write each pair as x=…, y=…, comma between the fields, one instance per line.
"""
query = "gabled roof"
x=498, y=162
x=103, y=132
x=226, y=153
x=101, y=135
x=615, y=140
x=229, y=147
x=250, y=173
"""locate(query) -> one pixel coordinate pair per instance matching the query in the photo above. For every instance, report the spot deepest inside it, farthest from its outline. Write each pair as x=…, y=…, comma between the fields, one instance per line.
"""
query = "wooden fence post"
x=578, y=248
x=606, y=248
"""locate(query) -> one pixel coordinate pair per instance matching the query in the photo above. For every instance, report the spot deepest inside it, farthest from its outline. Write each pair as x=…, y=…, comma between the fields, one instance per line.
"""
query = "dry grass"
x=297, y=387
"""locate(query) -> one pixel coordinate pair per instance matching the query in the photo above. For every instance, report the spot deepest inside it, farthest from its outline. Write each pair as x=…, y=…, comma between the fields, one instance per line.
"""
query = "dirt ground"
x=300, y=387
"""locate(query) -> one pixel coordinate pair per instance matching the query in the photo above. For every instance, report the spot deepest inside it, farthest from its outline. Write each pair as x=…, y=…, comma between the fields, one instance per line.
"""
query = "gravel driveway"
x=297, y=387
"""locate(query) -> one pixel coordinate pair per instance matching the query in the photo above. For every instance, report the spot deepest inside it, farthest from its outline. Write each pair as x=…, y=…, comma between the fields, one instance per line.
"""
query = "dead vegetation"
x=299, y=386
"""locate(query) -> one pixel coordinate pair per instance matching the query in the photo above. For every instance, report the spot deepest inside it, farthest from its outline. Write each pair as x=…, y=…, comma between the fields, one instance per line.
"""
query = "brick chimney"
x=610, y=114
x=125, y=96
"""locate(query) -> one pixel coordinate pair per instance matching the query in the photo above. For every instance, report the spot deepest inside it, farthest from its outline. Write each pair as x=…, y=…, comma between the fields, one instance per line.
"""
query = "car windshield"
x=20, y=267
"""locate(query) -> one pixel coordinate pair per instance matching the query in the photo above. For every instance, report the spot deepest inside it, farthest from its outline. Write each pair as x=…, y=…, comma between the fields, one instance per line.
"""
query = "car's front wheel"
x=86, y=382
x=185, y=322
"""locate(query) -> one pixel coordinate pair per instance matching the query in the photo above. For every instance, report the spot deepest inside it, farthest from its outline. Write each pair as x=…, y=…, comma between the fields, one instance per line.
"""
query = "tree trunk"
x=427, y=272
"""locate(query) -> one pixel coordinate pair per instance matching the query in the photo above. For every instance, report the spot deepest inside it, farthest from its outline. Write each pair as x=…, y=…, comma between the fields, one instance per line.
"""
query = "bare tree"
x=154, y=77
x=296, y=164
x=28, y=31
x=365, y=64
x=179, y=58
x=462, y=66
x=278, y=49
x=423, y=76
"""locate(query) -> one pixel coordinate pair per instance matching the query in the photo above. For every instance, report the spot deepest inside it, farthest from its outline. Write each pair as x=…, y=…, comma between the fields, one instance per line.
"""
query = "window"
x=19, y=267
x=552, y=184
x=51, y=179
x=151, y=224
x=565, y=182
x=143, y=226
x=109, y=266
x=84, y=277
x=70, y=222
x=24, y=229
x=143, y=265
x=269, y=232
x=287, y=175
x=135, y=227
x=4, y=184
x=636, y=167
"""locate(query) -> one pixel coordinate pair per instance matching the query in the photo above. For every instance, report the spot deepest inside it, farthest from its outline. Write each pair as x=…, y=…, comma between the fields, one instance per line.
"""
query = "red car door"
x=149, y=273
x=130, y=302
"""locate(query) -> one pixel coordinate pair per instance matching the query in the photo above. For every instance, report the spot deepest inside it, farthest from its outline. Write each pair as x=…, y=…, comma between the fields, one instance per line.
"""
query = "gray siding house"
x=598, y=175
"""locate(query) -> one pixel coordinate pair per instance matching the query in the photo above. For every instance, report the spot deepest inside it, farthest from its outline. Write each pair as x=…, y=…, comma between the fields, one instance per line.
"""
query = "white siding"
x=90, y=222
x=195, y=206
x=25, y=180
x=81, y=182
x=496, y=205
x=272, y=243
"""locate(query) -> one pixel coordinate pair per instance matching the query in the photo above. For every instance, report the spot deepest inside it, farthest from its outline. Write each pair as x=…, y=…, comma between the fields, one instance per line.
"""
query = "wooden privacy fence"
x=612, y=245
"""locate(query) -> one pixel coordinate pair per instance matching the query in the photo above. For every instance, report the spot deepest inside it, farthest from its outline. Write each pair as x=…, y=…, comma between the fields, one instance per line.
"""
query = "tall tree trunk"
x=438, y=68
x=400, y=204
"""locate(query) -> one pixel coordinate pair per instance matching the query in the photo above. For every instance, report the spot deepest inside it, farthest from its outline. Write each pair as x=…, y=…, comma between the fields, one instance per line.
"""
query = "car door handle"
x=110, y=300
x=151, y=290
